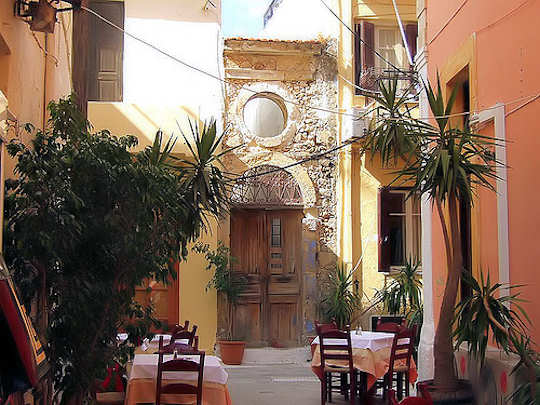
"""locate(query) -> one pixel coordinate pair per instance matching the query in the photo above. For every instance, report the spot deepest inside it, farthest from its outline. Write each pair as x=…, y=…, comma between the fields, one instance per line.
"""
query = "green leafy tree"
x=88, y=220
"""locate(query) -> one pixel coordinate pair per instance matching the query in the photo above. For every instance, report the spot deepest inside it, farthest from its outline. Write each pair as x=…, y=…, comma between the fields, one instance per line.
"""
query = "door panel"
x=267, y=248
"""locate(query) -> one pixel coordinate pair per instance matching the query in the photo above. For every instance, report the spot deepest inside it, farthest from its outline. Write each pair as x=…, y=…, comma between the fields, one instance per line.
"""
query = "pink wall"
x=507, y=61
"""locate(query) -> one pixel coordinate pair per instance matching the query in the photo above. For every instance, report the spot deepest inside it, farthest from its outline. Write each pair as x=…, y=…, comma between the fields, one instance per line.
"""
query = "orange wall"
x=505, y=62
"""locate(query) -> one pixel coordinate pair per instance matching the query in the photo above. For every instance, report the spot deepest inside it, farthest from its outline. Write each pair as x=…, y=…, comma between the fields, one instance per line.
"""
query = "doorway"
x=266, y=244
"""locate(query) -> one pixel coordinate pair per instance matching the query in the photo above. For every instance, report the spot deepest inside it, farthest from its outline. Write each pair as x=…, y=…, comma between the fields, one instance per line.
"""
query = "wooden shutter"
x=357, y=57
x=106, y=53
x=368, y=44
x=385, y=254
x=411, y=32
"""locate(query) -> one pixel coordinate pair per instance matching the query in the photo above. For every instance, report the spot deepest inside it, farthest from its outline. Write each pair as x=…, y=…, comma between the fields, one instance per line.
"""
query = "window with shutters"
x=400, y=233
x=380, y=46
x=106, y=52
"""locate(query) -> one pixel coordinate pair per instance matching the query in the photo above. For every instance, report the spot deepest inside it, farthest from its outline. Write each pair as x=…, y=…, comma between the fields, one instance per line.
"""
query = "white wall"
x=301, y=20
x=186, y=31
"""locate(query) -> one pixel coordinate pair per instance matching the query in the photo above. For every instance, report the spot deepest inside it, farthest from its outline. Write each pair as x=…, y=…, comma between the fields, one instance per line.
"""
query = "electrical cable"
x=213, y=76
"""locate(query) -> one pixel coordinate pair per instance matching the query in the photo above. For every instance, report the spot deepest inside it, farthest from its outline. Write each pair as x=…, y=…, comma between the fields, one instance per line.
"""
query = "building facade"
x=282, y=227
x=136, y=89
x=468, y=45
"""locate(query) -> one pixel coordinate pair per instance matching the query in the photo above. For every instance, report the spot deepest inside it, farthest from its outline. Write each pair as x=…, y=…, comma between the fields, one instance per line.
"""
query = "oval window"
x=264, y=116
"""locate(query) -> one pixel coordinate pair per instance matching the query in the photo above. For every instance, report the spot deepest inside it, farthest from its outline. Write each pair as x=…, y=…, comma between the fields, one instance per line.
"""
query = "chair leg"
x=344, y=387
x=353, y=387
x=329, y=378
x=399, y=389
x=323, y=389
x=407, y=384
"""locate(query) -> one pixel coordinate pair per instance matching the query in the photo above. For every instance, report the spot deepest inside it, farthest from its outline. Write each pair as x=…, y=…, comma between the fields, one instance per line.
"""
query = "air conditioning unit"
x=494, y=382
x=354, y=127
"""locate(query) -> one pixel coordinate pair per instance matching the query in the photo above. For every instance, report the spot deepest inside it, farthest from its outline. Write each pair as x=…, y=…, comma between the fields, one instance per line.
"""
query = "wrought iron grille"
x=278, y=188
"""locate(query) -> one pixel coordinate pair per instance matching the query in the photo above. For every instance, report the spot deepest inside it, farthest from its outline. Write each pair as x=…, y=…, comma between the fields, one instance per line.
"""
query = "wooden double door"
x=268, y=251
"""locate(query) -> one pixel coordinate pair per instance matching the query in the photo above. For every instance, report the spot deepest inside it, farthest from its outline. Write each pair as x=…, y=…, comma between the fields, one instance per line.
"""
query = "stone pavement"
x=272, y=377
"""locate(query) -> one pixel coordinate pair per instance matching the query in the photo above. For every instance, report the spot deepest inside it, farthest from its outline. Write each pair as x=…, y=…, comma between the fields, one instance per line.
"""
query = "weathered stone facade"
x=302, y=75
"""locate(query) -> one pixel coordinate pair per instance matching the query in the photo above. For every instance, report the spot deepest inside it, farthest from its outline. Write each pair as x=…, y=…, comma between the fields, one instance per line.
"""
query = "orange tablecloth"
x=374, y=364
x=143, y=390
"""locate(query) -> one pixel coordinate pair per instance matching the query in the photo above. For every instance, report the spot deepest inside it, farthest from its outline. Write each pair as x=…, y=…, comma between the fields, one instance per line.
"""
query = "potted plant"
x=445, y=163
x=491, y=314
x=230, y=285
x=341, y=300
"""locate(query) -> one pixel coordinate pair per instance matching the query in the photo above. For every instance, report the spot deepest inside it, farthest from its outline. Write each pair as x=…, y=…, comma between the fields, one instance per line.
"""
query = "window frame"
x=410, y=236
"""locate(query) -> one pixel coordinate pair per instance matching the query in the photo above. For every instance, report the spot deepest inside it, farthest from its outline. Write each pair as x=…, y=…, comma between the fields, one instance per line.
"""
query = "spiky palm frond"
x=341, y=301
x=488, y=312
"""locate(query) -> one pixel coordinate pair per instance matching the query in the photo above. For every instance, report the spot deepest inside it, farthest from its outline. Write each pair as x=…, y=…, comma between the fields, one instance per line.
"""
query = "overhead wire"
x=213, y=76
x=308, y=106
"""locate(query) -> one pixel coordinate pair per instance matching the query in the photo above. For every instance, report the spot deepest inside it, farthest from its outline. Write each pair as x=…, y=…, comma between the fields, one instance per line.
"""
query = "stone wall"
x=303, y=75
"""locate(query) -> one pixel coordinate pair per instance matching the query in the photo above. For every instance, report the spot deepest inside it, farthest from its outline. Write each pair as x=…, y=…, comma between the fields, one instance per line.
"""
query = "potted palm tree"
x=230, y=285
x=445, y=163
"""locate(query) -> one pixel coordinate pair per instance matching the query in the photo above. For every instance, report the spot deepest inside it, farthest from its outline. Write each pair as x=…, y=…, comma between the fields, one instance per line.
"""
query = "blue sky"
x=243, y=18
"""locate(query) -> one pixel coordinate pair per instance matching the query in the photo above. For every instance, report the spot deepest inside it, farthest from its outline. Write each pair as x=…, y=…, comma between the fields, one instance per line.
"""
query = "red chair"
x=341, y=351
x=390, y=327
x=425, y=399
x=179, y=365
x=402, y=350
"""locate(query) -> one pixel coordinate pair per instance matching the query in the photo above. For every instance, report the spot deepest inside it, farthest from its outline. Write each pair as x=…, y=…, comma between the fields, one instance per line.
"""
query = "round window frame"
x=276, y=100
x=277, y=94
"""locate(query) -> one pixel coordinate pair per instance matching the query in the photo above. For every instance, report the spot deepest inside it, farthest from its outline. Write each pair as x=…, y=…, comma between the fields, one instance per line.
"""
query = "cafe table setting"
x=371, y=355
x=141, y=387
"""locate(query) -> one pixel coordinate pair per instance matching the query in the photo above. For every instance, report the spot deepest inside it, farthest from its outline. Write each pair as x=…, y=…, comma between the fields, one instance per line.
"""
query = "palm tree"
x=446, y=163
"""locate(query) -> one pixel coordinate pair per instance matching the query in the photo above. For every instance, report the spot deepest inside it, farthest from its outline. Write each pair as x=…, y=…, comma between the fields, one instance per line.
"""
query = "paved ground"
x=276, y=384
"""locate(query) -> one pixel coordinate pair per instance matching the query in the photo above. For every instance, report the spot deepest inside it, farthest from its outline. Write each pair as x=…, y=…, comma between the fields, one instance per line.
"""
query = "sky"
x=243, y=18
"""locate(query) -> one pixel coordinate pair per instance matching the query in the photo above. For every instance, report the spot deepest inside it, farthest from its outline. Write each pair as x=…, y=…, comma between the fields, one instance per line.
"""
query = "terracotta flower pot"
x=463, y=395
x=232, y=352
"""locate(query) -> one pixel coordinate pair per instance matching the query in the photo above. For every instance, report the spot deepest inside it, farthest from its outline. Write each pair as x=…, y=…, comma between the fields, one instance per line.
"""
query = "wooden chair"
x=182, y=334
x=402, y=350
x=390, y=327
x=179, y=365
x=325, y=327
x=337, y=352
x=425, y=399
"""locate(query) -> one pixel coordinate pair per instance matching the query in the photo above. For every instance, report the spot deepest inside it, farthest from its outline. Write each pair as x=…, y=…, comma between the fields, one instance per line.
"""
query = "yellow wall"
x=160, y=93
x=359, y=177
x=28, y=78
x=196, y=304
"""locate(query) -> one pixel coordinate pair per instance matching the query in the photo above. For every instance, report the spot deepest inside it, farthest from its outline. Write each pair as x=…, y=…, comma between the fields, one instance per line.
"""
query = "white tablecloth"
x=152, y=344
x=365, y=340
x=145, y=366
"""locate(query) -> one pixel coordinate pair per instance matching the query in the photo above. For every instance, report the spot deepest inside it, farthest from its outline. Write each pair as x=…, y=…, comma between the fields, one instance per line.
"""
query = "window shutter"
x=411, y=32
x=385, y=254
x=105, y=81
x=368, y=36
x=357, y=57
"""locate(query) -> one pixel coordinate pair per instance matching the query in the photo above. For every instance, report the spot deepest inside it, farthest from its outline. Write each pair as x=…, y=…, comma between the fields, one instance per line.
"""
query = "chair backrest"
x=390, y=327
x=325, y=327
x=409, y=400
x=181, y=333
x=180, y=365
x=178, y=328
x=335, y=344
x=402, y=347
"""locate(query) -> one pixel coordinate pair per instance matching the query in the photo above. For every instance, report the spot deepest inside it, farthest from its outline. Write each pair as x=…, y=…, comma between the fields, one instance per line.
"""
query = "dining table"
x=371, y=355
x=141, y=387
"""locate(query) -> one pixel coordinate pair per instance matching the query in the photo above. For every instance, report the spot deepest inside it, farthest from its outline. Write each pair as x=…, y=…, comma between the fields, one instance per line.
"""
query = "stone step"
x=270, y=355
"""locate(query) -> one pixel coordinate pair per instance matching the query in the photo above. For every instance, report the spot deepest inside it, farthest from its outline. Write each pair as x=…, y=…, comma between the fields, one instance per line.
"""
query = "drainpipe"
x=44, y=108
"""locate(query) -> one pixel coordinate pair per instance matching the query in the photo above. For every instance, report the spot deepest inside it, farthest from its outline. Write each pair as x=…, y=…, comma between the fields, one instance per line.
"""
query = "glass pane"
x=396, y=239
x=263, y=116
x=160, y=301
x=395, y=203
x=276, y=232
x=416, y=249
